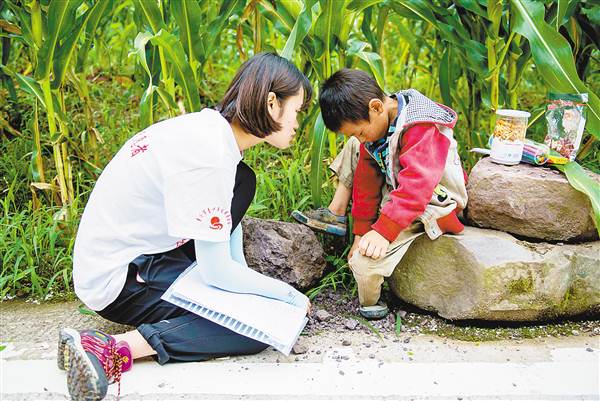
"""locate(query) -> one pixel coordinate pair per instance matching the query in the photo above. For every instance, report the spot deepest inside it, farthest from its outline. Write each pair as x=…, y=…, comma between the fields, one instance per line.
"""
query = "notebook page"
x=235, y=325
x=276, y=318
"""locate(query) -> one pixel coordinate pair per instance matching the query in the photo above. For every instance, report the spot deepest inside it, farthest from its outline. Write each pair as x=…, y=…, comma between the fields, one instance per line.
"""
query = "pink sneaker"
x=93, y=360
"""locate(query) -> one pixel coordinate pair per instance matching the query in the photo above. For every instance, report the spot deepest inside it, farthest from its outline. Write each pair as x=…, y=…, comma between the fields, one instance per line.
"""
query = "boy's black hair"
x=245, y=101
x=345, y=97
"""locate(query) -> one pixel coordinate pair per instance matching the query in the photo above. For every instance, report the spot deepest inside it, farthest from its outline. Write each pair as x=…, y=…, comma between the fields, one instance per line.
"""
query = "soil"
x=405, y=319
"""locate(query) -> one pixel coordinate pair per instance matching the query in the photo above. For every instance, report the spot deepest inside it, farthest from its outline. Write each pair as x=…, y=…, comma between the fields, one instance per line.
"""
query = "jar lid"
x=513, y=113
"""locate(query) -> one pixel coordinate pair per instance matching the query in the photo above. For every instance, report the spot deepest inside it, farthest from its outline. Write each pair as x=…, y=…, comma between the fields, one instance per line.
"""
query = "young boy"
x=408, y=178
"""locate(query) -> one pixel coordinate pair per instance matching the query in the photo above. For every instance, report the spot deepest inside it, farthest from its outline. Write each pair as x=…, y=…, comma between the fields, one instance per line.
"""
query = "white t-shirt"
x=169, y=183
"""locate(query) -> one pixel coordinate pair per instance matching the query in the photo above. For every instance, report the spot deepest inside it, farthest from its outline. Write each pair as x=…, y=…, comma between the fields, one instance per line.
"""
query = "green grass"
x=37, y=247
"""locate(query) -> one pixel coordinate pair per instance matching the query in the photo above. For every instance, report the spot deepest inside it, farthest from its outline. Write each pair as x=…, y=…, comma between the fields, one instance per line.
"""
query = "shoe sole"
x=374, y=312
x=319, y=225
x=82, y=379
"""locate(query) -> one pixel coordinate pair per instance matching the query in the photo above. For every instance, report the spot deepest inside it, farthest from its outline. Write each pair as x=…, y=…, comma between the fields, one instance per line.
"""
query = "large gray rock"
x=490, y=275
x=287, y=251
x=534, y=202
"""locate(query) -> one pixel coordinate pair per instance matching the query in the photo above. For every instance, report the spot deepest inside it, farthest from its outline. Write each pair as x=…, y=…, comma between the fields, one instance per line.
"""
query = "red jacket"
x=422, y=156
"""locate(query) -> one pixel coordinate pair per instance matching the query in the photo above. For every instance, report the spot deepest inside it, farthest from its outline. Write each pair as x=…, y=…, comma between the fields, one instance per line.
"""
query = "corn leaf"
x=582, y=182
x=553, y=56
x=99, y=12
x=149, y=9
x=444, y=78
x=372, y=60
x=188, y=16
x=280, y=17
x=184, y=75
x=316, y=161
x=63, y=56
x=213, y=32
x=561, y=11
x=299, y=31
x=61, y=15
x=146, y=102
x=33, y=87
x=24, y=23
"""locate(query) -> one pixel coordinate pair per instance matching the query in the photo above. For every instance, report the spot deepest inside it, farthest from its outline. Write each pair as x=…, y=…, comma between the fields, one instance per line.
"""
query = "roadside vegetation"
x=79, y=77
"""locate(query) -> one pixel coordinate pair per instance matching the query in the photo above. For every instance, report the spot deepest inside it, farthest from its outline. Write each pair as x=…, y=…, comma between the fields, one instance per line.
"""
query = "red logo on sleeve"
x=215, y=223
x=215, y=217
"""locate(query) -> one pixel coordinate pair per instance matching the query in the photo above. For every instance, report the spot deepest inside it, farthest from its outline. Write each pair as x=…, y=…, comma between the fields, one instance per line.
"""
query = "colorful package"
x=539, y=154
x=566, y=121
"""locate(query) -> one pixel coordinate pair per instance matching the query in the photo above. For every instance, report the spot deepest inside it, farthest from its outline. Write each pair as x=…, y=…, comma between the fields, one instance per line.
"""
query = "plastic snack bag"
x=566, y=120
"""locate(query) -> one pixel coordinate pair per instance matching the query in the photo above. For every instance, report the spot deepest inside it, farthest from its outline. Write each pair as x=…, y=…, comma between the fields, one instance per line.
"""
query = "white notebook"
x=264, y=319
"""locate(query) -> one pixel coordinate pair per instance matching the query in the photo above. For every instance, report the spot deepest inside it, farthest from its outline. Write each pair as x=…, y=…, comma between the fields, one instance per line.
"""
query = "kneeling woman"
x=176, y=193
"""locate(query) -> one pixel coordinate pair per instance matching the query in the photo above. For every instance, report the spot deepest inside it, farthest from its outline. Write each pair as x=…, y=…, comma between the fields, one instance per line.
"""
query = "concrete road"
x=420, y=367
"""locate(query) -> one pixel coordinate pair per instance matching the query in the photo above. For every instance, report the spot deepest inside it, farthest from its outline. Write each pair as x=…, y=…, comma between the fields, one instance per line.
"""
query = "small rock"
x=318, y=352
x=368, y=345
x=341, y=372
x=299, y=349
x=588, y=349
x=161, y=385
x=407, y=340
x=575, y=332
x=350, y=324
x=346, y=343
x=360, y=372
x=322, y=315
x=402, y=314
x=372, y=356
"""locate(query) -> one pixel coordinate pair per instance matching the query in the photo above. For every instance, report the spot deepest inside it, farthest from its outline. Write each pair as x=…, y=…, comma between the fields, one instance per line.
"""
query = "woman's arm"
x=237, y=246
x=219, y=270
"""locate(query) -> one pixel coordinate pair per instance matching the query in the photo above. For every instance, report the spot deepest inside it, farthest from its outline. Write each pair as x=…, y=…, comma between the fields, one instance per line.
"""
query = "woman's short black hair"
x=245, y=101
x=345, y=97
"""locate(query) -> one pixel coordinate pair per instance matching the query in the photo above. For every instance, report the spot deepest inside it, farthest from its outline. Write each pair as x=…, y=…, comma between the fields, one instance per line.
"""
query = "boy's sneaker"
x=322, y=219
x=93, y=360
x=374, y=312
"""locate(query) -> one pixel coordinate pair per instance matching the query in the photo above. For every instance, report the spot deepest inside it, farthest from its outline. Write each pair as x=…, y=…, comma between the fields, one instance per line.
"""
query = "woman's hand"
x=373, y=245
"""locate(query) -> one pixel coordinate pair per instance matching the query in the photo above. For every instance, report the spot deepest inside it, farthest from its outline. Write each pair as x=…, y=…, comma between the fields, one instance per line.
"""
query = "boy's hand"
x=354, y=246
x=373, y=245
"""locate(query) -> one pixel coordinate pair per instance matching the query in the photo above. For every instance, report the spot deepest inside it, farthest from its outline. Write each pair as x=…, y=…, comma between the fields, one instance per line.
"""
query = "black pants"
x=176, y=334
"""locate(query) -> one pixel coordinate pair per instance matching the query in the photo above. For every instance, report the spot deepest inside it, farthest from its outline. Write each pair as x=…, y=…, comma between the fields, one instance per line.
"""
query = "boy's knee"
x=359, y=263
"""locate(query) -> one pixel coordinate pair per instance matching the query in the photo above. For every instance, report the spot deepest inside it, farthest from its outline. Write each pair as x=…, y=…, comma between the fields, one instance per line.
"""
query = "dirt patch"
x=29, y=321
x=403, y=319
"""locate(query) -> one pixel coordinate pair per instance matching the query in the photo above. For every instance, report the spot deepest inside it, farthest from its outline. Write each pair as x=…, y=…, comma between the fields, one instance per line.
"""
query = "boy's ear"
x=376, y=105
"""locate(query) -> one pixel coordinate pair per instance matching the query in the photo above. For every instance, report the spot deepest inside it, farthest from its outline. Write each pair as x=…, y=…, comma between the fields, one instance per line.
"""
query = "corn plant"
x=52, y=30
x=321, y=36
x=553, y=56
x=185, y=33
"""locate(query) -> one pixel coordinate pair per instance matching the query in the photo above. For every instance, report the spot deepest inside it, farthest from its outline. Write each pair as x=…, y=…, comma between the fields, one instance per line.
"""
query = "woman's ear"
x=271, y=102
x=376, y=105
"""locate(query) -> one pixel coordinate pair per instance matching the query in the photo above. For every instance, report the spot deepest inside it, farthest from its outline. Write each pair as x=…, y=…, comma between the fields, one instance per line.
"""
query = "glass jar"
x=509, y=136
